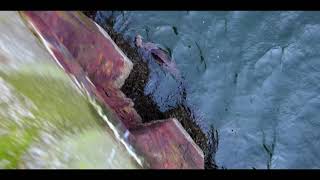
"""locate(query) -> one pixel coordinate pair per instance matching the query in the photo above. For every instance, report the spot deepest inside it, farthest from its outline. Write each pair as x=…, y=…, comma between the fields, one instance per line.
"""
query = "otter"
x=162, y=58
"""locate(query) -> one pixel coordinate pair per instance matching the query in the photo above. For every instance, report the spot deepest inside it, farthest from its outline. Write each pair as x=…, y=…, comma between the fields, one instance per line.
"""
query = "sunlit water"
x=46, y=121
x=253, y=75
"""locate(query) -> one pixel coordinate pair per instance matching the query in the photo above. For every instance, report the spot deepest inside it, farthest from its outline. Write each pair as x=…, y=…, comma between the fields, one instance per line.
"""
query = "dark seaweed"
x=235, y=78
x=269, y=150
x=175, y=30
x=202, y=60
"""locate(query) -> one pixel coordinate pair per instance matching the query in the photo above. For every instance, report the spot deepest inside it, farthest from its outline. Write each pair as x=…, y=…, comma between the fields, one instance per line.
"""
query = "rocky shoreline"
x=134, y=89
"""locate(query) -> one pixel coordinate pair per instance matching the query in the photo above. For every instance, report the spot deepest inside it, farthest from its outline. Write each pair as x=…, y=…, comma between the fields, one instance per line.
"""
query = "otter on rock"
x=163, y=59
x=159, y=55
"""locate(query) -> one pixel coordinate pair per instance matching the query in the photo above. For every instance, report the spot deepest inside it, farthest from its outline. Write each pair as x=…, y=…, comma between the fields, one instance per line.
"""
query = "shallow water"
x=252, y=75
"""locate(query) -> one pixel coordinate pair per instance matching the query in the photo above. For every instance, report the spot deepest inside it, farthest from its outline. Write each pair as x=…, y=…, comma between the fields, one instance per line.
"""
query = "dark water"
x=253, y=75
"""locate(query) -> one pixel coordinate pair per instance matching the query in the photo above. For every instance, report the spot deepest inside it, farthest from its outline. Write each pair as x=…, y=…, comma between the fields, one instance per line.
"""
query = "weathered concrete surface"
x=167, y=145
x=45, y=121
x=85, y=50
x=80, y=47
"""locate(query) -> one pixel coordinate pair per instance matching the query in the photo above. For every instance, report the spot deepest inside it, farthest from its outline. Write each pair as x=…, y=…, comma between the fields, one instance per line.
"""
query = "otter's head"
x=138, y=41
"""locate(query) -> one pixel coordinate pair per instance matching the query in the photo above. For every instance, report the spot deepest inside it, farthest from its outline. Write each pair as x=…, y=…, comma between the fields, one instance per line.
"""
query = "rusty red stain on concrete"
x=84, y=51
x=163, y=140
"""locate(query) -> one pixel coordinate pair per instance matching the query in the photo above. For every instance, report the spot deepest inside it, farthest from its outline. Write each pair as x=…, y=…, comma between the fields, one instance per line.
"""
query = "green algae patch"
x=13, y=145
x=46, y=121
x=57, y=108
x=56, y=101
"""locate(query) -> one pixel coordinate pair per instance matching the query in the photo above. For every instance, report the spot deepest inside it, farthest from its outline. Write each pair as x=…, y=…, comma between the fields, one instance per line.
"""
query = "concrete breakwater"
x=86, y=52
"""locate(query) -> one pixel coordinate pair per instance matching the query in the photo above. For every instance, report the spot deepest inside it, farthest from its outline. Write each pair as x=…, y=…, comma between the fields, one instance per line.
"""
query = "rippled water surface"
x=253, y=75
